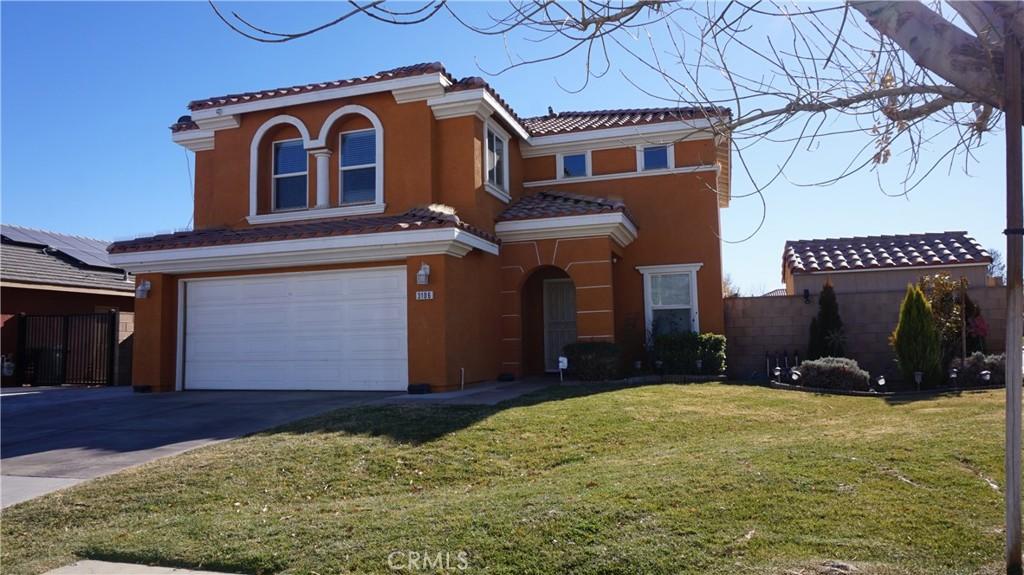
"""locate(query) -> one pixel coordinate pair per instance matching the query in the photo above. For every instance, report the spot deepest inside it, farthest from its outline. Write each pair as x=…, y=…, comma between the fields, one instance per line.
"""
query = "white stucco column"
x=323, y=177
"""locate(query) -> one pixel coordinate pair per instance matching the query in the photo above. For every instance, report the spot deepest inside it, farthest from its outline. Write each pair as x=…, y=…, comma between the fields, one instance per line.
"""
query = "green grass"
x=657, y=479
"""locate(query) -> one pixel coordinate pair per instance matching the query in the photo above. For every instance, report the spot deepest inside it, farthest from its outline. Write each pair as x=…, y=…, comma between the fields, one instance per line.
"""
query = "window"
x=289, y=188
x=358, y=167
x=574, y=165
x=496, y=159
x=670, y=298
x=655, y=158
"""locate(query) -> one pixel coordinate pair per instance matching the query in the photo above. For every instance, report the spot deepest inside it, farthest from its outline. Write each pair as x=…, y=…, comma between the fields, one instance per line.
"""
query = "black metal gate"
x=67, y=349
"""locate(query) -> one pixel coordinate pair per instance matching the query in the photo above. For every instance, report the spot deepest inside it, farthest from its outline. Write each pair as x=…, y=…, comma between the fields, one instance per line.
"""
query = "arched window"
x=360, y=163
x=289, y=171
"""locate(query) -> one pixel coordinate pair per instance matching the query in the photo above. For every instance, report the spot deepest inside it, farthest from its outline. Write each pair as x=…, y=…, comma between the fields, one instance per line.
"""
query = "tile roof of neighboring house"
x=776, y=293
x=564, y=122
x=415, y=219
x=560, y=123
x=882, y=252
x=27, y=260
x=558, y=204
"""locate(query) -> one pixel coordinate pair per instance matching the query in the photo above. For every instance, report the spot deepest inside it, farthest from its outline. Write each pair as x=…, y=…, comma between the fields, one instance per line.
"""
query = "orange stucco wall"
x=476, y=325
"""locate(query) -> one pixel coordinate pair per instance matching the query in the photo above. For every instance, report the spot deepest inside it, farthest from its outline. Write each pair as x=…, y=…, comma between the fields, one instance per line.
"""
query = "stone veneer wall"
x=756, y=325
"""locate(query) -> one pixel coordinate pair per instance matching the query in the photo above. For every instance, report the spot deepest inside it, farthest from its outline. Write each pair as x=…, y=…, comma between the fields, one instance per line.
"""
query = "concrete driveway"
x=51, y=438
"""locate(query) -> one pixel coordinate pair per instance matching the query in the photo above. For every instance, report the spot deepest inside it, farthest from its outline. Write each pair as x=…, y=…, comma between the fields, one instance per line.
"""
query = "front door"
x=559, y=319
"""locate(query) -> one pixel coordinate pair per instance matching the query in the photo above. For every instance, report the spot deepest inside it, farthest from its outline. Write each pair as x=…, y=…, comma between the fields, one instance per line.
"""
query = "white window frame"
x=650, y=271
x=500, y=192
x=342, y=169
x=670, y=150
x=559, y=165
x=274, y=177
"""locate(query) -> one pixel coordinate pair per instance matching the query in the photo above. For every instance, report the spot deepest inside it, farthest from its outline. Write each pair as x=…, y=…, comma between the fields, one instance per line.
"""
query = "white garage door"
x=341, y=330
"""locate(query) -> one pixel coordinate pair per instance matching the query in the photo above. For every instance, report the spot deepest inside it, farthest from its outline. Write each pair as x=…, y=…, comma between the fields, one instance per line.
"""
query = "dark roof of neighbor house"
x=550, y=204
x=882, y=252
x=552, y=123
x=48, y=258
x=431, y=217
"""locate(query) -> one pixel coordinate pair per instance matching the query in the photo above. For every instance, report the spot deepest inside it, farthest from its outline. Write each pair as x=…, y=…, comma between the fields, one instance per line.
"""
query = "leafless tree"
x=920, y=83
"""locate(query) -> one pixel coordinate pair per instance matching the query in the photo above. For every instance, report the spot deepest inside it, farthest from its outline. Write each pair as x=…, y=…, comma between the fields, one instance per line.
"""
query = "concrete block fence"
x=756, y=325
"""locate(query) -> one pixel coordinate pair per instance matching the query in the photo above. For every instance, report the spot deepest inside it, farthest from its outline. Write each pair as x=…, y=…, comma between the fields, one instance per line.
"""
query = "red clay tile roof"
x=414, y=219
x=401, y=72
x=560, y=123
x=565, y=122
x=559, y=204
x=882, y=252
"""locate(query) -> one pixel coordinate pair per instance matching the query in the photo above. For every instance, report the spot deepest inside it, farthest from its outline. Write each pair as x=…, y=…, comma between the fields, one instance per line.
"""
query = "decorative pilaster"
x=323, y=177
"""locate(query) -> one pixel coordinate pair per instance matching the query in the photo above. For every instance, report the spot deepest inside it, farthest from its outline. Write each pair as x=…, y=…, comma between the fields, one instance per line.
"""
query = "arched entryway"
x=549, y=318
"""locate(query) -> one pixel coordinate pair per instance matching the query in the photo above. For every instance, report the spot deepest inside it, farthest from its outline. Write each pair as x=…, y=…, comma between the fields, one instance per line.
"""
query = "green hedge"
x=679, y=352
x=593, y=360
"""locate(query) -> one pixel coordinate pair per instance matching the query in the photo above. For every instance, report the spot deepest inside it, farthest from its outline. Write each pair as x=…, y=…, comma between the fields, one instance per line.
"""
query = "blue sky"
x=88, y=91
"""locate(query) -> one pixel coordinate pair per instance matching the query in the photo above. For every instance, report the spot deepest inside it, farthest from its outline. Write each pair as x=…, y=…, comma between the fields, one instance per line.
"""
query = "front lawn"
x=659, y=479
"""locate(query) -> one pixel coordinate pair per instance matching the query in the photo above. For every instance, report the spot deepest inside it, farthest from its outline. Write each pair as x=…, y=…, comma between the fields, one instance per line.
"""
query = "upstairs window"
x=290, y=172
x=574, y=166
x=655, y=158
x=497, y=160
x=358, y=167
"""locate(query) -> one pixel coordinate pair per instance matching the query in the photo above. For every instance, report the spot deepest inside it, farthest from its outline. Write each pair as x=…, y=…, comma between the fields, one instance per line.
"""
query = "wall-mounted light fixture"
x=142, y=290
x=423, y=276
x=807, y=295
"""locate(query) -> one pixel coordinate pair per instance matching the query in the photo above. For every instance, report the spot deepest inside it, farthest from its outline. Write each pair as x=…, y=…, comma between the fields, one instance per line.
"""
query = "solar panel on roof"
x=86, y=250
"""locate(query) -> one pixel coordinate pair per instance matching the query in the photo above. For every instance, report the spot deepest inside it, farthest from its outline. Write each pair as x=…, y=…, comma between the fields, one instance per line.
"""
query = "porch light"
x=423, y=276
x=142, y=290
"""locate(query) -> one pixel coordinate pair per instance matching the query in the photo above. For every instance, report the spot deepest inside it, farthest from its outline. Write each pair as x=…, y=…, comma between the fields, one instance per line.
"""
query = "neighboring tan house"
x=49, y=277
x=409, y=228
x=881, y=263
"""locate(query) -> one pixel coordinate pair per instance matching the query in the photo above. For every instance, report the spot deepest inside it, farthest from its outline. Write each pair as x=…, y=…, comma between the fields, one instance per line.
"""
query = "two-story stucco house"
x=409, y=228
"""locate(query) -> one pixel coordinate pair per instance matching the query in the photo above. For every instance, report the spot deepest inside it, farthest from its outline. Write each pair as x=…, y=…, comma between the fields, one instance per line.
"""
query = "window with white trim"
x=655, y=158
x=496, y=159
x=290, y=191
x=574, y=165
x=358, y=164
x=670, y=298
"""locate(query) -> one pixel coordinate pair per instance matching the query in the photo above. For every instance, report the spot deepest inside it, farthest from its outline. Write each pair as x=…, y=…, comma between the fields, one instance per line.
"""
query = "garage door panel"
x=334, y=330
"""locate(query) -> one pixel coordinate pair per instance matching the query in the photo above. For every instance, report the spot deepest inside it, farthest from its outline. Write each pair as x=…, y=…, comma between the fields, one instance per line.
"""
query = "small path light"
x=881, y=381
x=700, y=366
x=953, y=375
x=778, y=374
x=918, y=376
x=794, y=374
x=986, y=376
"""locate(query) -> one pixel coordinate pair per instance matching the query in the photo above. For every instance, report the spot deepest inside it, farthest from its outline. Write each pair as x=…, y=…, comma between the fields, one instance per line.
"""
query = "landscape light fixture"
x=986, y=376
x=794, y=375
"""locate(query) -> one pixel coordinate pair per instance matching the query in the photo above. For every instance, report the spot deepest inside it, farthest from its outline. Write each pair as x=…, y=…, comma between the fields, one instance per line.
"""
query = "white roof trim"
x=669, y=268
x=621, y=176
x=130, y=292
x=321, y=95
x=384, y=246
x=478, y=102
x=194, y=140
x=614, y=224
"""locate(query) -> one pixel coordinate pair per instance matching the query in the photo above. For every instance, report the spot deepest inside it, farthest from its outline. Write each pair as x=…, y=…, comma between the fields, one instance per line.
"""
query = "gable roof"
x=550, y=204
x=414, y=219
x=882, y=252
x=48, y=258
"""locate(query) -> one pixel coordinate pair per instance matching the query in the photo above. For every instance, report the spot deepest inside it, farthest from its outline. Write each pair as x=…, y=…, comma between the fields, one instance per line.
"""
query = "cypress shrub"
x=826, y=335
x=916, y=340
